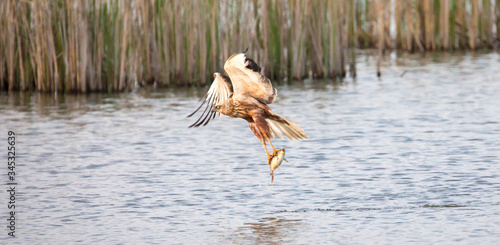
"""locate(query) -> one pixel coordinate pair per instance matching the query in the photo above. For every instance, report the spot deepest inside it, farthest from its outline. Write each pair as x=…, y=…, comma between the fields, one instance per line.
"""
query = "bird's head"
x=223, y=108
x=217, y=108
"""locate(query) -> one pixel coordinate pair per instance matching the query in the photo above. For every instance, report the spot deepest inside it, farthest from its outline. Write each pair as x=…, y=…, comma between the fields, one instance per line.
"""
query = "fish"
x=276, y=161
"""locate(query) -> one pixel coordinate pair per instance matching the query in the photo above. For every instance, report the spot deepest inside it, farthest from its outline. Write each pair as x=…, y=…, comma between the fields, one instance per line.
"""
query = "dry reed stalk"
x=314, y=30
x=364, y=27
x=166, y=29
x=123, y=45
x=298, y=36
x=487, y=24
x=409, y=36
x=497, y=15
x=461, y=24
x=428, y=14
x=83, y=46
x=146, y=41
x=214, y=44
x=189, y=40
x=341, y=41
x=351, y=34
x=375, y=15
x=9, y=42
x=37, y=45
x=224, y=34
x=452, y=25
x=20, y=24
x=3, y=22
x=179, y=44
x=154, y=54
x=71, y=52
x=444, y=24
x=283, y=10
x=473, y=24
x=398, y=22
x=358, y=15
x=203, y=49
x=381, y=33
x=332, y=39
x=302, y=41
x=265, y=35
x=372, y=19
x=388, y=23
x=280, y=39
x=98, y=50
x=418, y=26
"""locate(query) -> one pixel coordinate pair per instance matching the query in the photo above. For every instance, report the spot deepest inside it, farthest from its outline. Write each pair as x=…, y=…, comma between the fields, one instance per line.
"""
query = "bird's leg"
x=268, y=155
x=274, y=150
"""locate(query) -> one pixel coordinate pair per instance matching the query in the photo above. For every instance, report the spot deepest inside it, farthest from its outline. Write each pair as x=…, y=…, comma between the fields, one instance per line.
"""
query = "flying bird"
x=246, y=93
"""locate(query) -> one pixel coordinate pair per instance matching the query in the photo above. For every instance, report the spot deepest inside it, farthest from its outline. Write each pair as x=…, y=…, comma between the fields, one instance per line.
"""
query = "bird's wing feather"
x=220, y=90
x=247, y=79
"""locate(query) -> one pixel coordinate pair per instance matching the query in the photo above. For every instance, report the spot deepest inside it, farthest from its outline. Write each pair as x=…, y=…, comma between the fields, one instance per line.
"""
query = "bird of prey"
x=246, y=93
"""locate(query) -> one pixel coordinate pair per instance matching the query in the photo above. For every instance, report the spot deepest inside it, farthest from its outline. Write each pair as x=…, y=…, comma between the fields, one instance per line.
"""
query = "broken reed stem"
x=112, y=45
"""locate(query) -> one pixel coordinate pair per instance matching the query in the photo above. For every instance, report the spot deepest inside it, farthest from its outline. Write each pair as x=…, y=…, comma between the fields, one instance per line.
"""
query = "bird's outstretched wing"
x=247, y=79
x=220, y=90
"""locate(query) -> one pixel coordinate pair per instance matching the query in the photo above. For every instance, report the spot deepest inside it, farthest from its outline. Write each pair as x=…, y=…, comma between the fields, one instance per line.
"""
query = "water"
x=404, y=159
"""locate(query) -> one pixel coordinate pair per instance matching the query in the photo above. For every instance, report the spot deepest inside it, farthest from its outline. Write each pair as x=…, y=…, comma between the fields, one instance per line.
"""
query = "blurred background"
x=98, y=92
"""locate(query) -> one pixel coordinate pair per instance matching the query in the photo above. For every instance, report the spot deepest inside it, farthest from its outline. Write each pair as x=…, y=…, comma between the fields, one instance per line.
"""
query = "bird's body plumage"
x=245, y=93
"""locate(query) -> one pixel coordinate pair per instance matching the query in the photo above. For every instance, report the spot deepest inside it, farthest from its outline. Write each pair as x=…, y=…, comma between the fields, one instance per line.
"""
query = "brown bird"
x=246, y=93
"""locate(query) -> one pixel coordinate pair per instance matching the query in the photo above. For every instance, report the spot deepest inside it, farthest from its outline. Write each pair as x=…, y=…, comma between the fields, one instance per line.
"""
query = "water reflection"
x=269, y=230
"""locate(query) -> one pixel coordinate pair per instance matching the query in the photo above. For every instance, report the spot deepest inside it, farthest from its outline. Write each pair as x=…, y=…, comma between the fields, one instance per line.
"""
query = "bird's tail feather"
x=290, y=129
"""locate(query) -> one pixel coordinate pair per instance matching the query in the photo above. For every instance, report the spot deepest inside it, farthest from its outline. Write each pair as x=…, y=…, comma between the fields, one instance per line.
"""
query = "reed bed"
x=113, y=45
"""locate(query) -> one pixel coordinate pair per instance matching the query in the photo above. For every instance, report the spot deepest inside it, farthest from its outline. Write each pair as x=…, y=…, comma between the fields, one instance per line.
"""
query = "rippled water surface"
x=411, y=157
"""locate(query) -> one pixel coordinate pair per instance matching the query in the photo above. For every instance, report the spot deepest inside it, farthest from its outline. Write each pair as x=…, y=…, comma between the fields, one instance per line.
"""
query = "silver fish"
x=276, y=161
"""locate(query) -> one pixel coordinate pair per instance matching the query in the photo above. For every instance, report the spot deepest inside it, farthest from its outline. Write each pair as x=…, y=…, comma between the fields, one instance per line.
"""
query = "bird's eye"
x=217, y=107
